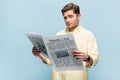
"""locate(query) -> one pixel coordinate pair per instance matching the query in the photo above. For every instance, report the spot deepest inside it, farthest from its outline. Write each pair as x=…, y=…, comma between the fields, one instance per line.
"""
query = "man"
x=86, y=43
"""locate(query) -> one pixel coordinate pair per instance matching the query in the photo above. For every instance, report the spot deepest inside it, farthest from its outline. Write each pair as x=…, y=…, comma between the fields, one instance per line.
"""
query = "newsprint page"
x=58, y=49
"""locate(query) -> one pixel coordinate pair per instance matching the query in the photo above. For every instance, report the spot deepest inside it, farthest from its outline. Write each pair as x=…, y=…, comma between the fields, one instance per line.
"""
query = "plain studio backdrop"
x=44, y=17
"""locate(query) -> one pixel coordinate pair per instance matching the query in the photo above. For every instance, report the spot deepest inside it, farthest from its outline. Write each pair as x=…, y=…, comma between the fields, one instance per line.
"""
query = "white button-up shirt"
x=86, y=42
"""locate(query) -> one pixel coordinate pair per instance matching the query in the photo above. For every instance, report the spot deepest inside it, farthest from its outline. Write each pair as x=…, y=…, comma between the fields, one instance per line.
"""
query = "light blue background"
x=17, y=17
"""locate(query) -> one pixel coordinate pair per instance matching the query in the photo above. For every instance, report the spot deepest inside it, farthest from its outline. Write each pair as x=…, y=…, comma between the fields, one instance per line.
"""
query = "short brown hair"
x=71, y=6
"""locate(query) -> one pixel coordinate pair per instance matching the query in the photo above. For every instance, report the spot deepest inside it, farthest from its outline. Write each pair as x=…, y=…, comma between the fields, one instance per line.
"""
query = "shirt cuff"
x=49, y=62
x=95, y=59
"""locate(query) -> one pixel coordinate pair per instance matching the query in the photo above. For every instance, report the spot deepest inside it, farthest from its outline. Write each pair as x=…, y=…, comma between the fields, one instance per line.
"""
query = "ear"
x=79, y=16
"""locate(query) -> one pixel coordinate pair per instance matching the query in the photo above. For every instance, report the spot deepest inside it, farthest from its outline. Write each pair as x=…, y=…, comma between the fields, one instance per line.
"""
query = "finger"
x=77, y=52
x=79, y=58
x=35, y=51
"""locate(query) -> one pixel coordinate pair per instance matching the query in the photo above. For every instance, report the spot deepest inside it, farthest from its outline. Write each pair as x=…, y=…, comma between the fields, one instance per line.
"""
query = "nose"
x=68, y=20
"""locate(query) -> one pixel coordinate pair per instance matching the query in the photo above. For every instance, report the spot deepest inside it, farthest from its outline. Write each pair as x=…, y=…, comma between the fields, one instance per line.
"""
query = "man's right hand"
x=37, y=53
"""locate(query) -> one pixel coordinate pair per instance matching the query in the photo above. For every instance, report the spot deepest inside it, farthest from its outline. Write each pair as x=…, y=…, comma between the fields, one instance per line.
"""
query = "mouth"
x=68, y=24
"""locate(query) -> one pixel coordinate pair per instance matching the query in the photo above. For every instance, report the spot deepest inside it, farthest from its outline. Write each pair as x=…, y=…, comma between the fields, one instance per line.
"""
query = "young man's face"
x=71, y=19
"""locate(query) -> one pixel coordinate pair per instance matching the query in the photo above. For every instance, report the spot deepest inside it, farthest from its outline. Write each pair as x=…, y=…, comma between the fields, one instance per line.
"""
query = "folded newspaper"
x=58, y=49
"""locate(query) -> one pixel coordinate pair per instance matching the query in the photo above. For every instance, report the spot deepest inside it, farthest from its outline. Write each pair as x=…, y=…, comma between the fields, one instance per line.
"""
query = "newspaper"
x=38, y=42
x=58, y=49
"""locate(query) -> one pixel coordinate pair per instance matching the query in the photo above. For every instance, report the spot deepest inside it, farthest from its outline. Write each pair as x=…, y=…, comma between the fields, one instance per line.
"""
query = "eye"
x=70, y=16
x=65, y=17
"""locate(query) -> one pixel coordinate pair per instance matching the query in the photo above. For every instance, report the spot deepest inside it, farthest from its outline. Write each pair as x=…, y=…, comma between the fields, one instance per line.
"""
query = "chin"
x=69, y=27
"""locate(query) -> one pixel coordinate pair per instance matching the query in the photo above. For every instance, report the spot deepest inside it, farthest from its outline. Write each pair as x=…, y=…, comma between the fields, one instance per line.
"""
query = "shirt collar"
x=74, y=31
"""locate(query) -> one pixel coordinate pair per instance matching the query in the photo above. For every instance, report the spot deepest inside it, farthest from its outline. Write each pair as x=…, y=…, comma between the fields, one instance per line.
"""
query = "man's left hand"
x=80, y=55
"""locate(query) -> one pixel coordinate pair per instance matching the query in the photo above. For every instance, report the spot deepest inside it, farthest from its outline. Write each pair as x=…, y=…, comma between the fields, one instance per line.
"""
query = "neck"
x=71, y=29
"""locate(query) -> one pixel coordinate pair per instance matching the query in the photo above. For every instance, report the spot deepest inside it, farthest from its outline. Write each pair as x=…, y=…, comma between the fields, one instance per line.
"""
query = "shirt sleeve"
x=93, y=50
x=49, y=62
